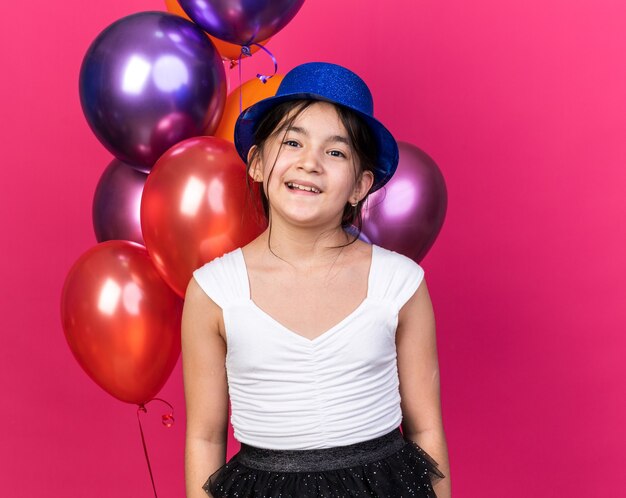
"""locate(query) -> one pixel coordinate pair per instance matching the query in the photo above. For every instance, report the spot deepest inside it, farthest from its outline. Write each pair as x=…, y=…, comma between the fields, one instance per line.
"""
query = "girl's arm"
x=418, y=369
x=206, y=389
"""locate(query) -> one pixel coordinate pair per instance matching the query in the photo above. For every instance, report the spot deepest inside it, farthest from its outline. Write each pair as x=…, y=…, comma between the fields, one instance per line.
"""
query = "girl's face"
x=316, y=172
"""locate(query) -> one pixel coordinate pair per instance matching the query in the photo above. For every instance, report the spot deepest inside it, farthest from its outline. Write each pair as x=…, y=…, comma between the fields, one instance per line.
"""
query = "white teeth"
x=302, y=187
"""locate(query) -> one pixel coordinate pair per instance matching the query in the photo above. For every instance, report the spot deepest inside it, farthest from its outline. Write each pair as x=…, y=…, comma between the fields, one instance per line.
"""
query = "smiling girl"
x=324, y=344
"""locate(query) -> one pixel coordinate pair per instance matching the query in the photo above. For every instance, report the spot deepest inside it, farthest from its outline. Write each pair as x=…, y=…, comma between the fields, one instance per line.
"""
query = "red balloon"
x=408, y=213
x=121, y=321
x=196, y=206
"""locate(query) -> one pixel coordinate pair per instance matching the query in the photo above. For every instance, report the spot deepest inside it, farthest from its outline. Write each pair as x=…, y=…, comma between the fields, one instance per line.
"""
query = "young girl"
x=324, y=344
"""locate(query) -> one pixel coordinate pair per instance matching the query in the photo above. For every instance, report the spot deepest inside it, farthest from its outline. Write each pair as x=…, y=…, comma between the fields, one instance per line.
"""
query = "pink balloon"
x=407, y=214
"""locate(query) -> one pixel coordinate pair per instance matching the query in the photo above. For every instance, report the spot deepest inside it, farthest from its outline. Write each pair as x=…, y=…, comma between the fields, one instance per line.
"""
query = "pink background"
x=522, y=105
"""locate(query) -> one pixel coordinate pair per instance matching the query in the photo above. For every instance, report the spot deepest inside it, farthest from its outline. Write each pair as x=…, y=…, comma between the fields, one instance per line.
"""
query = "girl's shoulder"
x=222, y=279
x=395, y=277
x=393, y=259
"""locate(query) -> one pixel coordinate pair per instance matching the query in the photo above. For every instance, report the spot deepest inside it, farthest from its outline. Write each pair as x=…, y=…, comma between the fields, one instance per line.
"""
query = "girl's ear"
x=254, y=170
x=363, y=185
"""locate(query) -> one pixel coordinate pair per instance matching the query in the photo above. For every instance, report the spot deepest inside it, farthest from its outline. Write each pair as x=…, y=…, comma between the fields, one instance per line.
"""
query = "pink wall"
x=522, y=104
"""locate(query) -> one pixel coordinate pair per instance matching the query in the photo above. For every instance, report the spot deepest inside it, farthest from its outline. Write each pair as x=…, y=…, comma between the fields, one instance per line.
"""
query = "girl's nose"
x=309, y=161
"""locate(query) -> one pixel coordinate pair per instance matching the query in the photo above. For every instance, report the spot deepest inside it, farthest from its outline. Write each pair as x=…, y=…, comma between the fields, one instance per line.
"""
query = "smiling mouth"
x=295, y=186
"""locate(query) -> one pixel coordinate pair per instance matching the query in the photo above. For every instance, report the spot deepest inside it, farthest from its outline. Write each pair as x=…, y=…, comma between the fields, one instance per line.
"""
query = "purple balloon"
x=353, y=230
x=149, y=81
x=408, y=213
x=242, y=22
x=116, y=203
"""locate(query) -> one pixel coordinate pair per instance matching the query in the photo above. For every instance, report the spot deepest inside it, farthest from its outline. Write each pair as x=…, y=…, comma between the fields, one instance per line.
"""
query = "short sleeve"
x=396, y=278
x=206, y=278
x=411, y=275
x=221, y=279
x=400, y=278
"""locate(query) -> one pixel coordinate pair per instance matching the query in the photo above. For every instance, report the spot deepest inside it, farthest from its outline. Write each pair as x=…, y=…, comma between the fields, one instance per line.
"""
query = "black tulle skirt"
x=389, y=466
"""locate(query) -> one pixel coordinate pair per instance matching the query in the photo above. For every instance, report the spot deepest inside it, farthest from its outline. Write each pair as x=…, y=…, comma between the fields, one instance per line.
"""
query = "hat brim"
x=387, y=148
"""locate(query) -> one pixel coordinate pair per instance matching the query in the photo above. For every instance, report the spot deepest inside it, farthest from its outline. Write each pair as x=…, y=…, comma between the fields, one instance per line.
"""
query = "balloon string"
x=265, y=77
x=241, y=54
x=168, y=421
x=231, y=65
x=245, y=51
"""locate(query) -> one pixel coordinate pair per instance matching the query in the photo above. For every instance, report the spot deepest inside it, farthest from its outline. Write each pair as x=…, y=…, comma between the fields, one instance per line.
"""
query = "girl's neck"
x=303, y=245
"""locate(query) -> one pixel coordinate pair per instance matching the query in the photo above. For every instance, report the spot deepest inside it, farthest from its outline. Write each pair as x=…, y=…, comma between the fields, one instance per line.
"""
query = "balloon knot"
x=168, y=419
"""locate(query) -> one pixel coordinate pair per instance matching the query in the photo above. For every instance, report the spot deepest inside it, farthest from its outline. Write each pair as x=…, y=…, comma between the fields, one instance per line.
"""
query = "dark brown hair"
x=361, y=140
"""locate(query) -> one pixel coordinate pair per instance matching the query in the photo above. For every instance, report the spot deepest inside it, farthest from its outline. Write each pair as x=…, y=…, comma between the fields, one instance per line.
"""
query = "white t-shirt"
x=290, y=392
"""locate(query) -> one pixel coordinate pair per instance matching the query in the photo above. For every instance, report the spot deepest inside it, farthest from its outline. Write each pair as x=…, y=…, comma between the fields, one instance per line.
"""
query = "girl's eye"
x=337, y=153
x=291, y=142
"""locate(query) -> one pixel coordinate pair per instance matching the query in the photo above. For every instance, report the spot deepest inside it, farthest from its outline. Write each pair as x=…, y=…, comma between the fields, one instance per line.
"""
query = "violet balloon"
x=149, y=81
x=408, y=213
x=116, y=203
x=242, y=22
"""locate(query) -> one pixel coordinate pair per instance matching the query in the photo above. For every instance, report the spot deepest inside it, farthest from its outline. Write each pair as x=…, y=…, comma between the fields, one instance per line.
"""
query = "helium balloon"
x=115, y=210
x=228, y=51
x=148, y=81
x=121, y=321
x=242, y=23
x=196, y=206
x=250, y=93
x=407, y=215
